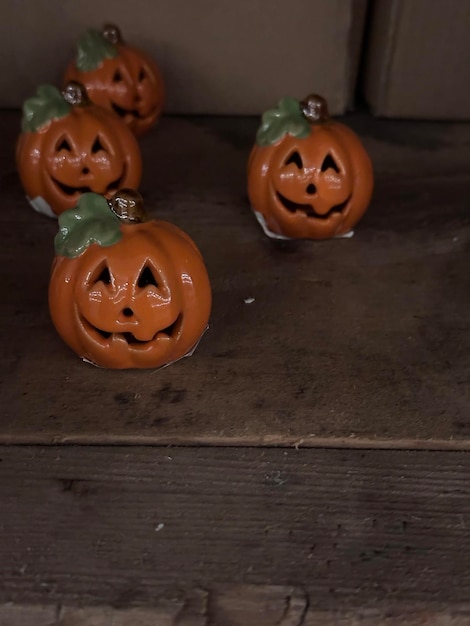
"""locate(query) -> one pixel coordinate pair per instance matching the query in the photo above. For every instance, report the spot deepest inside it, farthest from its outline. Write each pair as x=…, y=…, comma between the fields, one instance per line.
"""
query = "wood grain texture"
x=359, y=342
x=128, y=527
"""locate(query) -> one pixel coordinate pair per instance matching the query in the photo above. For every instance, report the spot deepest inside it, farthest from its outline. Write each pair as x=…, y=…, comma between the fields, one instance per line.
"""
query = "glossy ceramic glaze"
x=70, y=146
x=120, y=77
x=126, y=293
x=308, y=175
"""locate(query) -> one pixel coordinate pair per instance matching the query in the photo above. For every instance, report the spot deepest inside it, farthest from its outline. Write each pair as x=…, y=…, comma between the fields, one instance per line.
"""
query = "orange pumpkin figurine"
x=125, y=291
x=119, y=77
x=309, y=176
x=70, y=146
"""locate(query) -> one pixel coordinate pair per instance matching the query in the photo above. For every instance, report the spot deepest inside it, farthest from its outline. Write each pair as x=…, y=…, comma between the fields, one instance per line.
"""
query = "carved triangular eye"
x=146, y=278
x=329, y=163
x=97, y=145
x=296, y=159
x=142, y=75
x=117, y=76
x=104, y=276
x=63, y=144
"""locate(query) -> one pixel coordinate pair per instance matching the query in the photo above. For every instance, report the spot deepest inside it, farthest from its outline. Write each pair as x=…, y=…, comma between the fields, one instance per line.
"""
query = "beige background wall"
x=218, y=56
x=418, y=59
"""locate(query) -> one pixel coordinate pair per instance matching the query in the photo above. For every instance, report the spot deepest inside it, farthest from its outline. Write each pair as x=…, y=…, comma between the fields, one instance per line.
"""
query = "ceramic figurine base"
x=41, y=206
x=271, y=235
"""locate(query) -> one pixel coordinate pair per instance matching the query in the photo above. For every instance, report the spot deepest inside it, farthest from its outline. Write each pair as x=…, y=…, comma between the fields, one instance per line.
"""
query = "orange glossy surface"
x=140, y=303
x=315, y=187
x=89, y=149
x=131, y=85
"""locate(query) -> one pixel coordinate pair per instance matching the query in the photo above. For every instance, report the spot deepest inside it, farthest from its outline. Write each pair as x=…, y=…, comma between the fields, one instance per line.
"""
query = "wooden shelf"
x=352, y=342
x=357, y=343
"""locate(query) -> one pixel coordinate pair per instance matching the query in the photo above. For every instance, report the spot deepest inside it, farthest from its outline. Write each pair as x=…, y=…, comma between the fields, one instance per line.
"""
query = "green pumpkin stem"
x=285, y=119
x=93, y=49
x=315, y=109
x=41, y=109
x=90, y=222
x=76, y=94
x=128, y=206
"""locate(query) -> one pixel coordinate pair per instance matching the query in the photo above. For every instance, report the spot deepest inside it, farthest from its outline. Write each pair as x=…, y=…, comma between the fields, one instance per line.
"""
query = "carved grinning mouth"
x=123, y=112
x=170, y=332
x=308, y=209
x=71, y=191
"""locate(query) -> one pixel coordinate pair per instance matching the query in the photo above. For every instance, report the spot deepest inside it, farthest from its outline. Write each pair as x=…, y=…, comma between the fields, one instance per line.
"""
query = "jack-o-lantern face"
x=139, y=297
x=87, y=149
x=308, y=178
x=119, y=77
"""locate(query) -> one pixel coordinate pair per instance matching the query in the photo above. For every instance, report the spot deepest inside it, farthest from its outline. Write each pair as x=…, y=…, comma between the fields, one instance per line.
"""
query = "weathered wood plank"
x=238, y=605
x=354, y=342
x=124, y=526
x=107, y=616
x=28, y=615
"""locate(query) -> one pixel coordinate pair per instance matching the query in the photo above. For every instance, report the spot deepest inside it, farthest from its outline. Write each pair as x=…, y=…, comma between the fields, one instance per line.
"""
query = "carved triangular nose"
x=127, y=312
x=311, y=189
